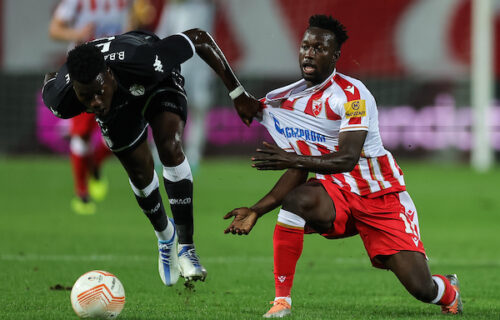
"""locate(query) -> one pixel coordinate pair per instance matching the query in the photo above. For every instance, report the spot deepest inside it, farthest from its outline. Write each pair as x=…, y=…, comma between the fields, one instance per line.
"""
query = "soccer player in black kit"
x=133, y=81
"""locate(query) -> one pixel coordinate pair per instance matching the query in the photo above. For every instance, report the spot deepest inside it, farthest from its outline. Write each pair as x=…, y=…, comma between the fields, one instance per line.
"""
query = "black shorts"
x=128, y=126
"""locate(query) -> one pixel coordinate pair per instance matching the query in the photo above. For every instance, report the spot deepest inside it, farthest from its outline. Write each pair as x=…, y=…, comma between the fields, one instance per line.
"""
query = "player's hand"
x=272, y=157
x=243, y=222
x=48, y=77
x=247, y=107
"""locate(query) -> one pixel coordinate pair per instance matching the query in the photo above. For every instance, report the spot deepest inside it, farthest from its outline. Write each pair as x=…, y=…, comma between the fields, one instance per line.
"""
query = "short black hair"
x=328, y=23
x=85, y=62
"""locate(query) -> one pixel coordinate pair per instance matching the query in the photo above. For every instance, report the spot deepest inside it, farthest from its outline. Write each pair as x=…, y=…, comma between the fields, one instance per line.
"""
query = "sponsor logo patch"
x=355, y=108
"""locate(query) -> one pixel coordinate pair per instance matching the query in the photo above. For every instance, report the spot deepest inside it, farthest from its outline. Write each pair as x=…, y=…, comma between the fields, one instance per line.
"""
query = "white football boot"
x=168, y=261
x=191, y=268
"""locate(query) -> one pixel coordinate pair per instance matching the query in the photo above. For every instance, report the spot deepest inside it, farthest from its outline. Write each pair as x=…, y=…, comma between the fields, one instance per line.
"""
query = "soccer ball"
x=98, y=294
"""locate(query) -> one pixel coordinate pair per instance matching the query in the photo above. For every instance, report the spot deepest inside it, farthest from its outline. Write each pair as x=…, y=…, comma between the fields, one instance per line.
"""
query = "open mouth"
x=308, y=68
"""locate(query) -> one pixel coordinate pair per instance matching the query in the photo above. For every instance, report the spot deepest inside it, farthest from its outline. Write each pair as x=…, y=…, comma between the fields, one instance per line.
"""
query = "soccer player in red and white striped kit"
x=327, y=123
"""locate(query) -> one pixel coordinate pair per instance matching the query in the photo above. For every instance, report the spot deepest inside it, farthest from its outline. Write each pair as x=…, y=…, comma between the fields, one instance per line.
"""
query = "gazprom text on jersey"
x=299, y=133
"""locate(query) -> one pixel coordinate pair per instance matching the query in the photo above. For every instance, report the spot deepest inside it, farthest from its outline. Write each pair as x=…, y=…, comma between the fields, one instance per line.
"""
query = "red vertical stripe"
x=93, y=5
x=316, y=96
x=351, y=92
x=287, y=104
x=329, y=112
x=304, y=148
x=322, y=148
x=341, y=178
x=372, y=173
x=387, y=173
x=363, y=186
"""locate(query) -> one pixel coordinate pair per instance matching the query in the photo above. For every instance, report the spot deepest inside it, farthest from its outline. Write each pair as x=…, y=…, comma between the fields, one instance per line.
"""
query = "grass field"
x=43, y=244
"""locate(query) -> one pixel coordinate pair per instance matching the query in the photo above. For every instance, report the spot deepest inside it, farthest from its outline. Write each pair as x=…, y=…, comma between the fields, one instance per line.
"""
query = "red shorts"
x=387, y=224
x=83, y=125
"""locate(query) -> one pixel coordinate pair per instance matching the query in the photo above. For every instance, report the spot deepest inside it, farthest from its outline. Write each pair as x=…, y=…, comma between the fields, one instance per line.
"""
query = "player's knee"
x=298, y=201
x=170, y=152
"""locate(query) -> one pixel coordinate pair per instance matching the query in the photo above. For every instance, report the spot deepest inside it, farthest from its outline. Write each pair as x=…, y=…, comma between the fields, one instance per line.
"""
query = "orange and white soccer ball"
x=98, y=294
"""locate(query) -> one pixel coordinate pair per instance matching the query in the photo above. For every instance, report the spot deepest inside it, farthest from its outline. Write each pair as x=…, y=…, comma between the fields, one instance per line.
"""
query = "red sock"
x=80, y=167
x=288, y=243
x=449, y=292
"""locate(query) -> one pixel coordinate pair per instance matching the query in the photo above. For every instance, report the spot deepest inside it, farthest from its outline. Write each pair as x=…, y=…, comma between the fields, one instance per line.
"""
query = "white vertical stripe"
x=365, y=173
x=407, y=203
x=395, y=170
x=351, y=182
x=377, y=172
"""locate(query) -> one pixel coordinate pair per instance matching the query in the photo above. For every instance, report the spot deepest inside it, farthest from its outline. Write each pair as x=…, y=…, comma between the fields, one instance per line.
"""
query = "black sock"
x=180, y=196
x=152, y=206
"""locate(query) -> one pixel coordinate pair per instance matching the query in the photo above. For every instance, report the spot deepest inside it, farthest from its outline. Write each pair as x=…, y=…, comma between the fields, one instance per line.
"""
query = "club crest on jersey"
x=137, y=90
x=355, y=108
x=317, y=105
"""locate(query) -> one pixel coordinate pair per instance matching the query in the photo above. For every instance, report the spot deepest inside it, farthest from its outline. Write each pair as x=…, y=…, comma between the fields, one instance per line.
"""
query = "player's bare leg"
x=168, y=129
x=308, y=203
x=413, y=272
x=139, y=165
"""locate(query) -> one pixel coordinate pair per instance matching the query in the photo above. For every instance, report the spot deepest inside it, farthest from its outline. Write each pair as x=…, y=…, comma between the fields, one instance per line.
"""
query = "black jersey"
x=140, y=61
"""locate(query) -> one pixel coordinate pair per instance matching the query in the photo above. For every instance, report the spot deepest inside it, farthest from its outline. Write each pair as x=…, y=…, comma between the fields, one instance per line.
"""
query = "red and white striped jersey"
x=308, y=121
x=108, y=16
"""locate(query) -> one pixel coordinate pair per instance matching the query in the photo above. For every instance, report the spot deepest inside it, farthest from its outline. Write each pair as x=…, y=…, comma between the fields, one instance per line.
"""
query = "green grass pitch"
x=43, y=244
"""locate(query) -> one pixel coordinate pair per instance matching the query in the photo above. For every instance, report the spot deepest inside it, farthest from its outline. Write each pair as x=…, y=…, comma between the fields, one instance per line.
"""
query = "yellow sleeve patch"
x=355, y=108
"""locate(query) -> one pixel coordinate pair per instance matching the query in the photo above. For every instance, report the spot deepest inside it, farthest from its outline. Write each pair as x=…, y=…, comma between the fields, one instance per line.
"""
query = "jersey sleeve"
x=175, y=50
x=66, y=10
x=356, y=114
x=58, y=95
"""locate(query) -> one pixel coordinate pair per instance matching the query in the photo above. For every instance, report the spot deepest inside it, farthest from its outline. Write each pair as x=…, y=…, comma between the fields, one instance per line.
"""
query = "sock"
x=80, y=165
x=149, y=199
x=288, y=240
x=166, y=234
x=446, y=293
x=287, y=299
x=101, y=152
x=179, y=186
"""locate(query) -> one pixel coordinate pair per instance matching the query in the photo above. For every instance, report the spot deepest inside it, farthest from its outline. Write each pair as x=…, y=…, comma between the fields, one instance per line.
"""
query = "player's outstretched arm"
x=271, y=157
x=206, y=47
x=245, y=218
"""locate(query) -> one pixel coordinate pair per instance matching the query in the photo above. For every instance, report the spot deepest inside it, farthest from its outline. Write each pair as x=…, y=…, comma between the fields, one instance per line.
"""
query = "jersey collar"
x=298, y=89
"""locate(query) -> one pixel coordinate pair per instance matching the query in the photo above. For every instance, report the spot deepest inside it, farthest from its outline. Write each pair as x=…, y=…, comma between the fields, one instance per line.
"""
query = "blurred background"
x=433, y=67
x=414, y=55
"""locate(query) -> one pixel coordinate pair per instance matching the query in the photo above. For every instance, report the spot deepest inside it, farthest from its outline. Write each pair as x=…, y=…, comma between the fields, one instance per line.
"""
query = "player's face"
x=317, y=55
x=97, y=95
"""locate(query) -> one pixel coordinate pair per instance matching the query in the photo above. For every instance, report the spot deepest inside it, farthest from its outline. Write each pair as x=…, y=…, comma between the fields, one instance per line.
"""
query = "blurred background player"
x=78, y=21
x=176, y=16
